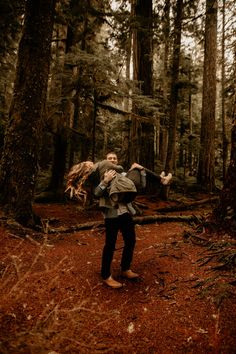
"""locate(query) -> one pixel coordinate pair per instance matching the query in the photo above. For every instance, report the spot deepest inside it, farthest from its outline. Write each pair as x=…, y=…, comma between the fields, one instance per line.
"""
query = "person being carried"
x=115, y=200
x=122, y=188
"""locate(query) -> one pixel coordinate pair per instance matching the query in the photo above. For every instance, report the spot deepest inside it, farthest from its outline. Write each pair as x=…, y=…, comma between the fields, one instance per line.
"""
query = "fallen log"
x=204, y=201
x=188, y=205
x=137, y=220
x=79, y=227
x=163, y=218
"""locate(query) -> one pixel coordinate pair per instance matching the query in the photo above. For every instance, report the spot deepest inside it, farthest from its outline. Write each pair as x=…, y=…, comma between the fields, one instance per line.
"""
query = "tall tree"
x=166, y=36
x=224, y=134
x=143, y=133
x=61, y=115
x=205, y=175
x=19, y=163
x=174, y=87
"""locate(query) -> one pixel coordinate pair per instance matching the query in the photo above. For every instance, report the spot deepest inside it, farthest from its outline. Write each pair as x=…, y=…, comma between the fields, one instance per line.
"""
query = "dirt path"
x=53, y=300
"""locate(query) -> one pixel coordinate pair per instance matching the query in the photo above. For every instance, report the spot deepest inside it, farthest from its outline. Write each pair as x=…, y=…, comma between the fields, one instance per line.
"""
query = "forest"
x=153, y=81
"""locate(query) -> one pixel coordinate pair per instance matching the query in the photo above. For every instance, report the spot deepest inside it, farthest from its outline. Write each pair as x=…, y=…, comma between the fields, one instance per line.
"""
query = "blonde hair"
x=76, y=178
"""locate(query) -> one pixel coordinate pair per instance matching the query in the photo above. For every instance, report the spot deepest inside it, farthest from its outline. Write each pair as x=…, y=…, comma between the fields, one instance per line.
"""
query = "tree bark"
x=205, y=174
x=19, y=163
x=225, y=212
x=59, y=120
x=163, y=126
x=225, y=142
x=170, y=159
x=142, y=134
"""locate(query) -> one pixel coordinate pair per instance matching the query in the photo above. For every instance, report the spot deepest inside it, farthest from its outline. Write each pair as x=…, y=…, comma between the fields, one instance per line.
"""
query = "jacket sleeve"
x=100, y=189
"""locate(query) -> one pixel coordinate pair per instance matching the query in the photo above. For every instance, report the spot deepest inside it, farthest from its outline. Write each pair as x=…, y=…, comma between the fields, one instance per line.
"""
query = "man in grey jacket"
x=117, y=218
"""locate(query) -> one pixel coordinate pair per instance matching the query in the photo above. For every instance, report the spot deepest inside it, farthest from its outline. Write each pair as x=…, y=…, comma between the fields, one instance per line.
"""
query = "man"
x=117, y=218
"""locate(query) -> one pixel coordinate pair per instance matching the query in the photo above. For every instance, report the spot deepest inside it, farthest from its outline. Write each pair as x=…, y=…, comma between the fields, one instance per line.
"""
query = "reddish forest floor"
x=53, y=300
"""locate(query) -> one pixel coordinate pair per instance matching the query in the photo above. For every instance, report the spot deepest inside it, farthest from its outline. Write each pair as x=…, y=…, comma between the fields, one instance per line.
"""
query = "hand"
x=108, y=176
x=136, y=165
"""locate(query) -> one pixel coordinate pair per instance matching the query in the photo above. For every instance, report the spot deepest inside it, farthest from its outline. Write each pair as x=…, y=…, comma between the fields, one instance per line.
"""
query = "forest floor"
x=52, y=299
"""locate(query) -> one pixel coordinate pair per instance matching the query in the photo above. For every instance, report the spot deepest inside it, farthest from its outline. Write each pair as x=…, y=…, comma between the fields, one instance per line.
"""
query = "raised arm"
x=101, y=188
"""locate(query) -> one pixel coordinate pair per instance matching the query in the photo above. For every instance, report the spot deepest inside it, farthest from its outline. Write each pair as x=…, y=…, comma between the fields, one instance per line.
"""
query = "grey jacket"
x=120, y=190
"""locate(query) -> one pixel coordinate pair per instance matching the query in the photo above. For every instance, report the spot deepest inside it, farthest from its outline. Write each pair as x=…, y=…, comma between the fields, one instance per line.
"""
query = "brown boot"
x=129, y=274
x=112, y=283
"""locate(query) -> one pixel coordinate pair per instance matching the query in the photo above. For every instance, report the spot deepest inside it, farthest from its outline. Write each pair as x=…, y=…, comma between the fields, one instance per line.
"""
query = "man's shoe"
x=112, y=283
x=129, y=274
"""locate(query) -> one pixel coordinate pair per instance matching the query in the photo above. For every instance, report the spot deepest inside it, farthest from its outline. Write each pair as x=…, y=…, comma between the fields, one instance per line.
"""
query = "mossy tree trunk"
x=19, y=163
x=206, y=165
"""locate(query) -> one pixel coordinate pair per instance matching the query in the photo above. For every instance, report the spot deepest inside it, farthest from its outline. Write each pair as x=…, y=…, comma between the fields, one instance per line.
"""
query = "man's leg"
x=109, y=247
x=128, y=232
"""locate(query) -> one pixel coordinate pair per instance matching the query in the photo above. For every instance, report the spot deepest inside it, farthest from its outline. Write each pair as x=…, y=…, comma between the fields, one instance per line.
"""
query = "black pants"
x=125, y=224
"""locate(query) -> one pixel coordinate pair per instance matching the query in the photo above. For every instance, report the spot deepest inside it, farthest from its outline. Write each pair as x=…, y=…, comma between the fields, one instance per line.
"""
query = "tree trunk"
x=224, y=133
x=60, y=137
x=206, y=175
x=24, y=131
x=164, y=129
x=174, y=88
x=134, y=126
x=143, y=133
x=226, y=210
x=56, y=185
